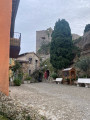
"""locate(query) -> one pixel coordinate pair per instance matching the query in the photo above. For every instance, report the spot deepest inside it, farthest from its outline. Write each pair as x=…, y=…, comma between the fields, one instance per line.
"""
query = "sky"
x=35, y=15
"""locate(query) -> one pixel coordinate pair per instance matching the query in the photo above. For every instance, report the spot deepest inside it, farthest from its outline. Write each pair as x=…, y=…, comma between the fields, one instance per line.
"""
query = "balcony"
x=15, y=45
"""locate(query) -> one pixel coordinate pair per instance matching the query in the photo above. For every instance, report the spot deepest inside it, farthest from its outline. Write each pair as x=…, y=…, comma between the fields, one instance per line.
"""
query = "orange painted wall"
x=5, y=22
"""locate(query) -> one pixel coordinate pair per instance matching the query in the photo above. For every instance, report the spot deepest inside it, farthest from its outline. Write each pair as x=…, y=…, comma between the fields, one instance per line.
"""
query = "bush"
x=17, y=82
x=84, y=65
x=48, y=67
x=38, y=76
x=54, y=76
x=28, y=78
x=17, y=70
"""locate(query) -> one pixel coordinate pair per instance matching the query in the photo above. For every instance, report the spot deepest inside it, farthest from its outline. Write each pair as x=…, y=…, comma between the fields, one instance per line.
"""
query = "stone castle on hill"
x=43, y=36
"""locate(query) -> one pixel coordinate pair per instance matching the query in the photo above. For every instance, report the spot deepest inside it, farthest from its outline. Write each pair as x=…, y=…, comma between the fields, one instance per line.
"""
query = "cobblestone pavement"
x=56, y=102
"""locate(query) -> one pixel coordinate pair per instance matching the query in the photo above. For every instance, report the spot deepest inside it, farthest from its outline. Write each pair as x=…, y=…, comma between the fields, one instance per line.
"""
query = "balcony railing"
x=16, y=40
x=15, y=45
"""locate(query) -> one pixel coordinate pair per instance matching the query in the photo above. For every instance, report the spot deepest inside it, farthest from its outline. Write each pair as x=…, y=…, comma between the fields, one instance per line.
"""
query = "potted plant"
x=27, y=78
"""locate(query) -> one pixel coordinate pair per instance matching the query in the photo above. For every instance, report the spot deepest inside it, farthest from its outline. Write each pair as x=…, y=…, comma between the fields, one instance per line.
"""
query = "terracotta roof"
x=23, y=61
x=27, y=53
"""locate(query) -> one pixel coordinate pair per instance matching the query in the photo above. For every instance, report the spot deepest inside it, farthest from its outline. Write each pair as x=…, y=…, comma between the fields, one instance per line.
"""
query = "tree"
x=61, y=51
x=84, y=65
x=87, y=28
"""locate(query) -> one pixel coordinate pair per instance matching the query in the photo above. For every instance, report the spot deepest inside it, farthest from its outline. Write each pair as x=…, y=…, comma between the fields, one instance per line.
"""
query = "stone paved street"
x=56, y=102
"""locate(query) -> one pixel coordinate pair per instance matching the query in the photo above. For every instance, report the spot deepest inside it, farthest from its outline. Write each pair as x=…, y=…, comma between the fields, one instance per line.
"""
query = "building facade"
x=5, y=23
x=43, y=36
x=30, y=62
x=5, y=26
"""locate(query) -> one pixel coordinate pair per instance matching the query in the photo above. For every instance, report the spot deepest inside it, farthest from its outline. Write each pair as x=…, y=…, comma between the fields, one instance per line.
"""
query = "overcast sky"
x=34, y=15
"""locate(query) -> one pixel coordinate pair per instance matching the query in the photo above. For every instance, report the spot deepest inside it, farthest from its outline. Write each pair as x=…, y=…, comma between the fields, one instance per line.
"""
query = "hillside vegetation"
x=44, y=49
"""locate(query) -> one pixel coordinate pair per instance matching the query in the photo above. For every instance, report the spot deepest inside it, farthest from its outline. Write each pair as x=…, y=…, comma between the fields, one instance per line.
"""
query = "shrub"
x=17, y=82
x=48, y=67
x=38, y=76
x=84, y=65
x=28, y=78
x=45, y=49
x=28, y=118
x=54, y=76
x=17, y=70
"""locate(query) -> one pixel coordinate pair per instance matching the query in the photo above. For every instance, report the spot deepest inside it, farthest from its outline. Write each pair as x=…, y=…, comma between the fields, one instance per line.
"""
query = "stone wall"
x=43, y=36
x=44, y=57
x=26, y=65
x=14, y=110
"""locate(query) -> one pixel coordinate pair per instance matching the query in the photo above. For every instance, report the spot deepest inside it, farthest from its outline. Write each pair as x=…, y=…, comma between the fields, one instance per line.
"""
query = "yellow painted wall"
x=11, y=63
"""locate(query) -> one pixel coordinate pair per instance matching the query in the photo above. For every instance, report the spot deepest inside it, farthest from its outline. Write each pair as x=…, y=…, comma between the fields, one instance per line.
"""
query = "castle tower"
x=43, y=36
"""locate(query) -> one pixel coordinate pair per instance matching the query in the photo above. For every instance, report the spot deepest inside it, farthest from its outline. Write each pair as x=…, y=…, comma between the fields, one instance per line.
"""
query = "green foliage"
x=37, y=75
x=84, y=65
x=16, y=67
x=49, y=65
x=87, y=28
x=61, y=51
x=28, y=78
x=17, y=70
x=3, y=118
x=17, y=82
x=76, y=51
x=54, y=76
x=83, y=76
x=45, y=49
x=77, y=40
x=28, y=118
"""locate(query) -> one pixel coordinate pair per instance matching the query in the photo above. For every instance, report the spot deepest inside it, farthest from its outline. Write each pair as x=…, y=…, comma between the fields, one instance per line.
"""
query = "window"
x=43, y=38
x=36, y=61
x=30, y=60
x=29, y=72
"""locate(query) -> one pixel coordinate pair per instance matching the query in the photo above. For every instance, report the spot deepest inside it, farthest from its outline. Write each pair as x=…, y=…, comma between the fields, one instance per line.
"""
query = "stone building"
x=29, y=61
x=43, y=36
